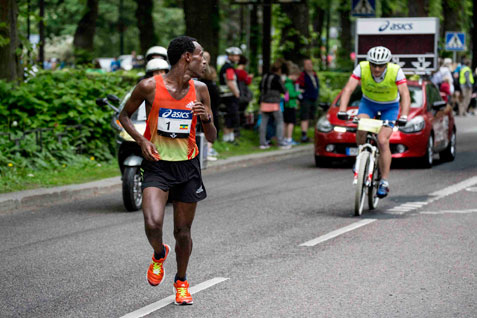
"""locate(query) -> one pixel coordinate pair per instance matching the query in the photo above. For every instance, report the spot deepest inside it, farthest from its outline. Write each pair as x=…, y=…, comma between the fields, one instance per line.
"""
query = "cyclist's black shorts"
x=182, y=179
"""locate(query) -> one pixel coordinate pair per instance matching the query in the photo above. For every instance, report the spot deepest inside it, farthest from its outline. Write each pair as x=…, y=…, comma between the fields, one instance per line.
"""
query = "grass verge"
x=85, y=169
x=80, y=171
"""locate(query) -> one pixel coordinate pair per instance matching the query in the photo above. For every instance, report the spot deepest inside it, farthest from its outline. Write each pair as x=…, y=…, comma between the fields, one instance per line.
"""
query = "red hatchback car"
x=430, y=129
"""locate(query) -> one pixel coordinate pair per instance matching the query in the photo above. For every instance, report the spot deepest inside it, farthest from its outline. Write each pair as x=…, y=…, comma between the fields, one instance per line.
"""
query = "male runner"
x=171, y=167
x=382, y=84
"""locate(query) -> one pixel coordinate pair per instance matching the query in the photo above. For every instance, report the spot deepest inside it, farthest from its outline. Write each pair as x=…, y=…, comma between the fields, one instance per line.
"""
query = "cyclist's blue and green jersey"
x=379, y=94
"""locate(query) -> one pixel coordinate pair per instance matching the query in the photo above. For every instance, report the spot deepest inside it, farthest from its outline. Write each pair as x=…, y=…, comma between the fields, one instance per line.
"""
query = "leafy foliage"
x=54, y=101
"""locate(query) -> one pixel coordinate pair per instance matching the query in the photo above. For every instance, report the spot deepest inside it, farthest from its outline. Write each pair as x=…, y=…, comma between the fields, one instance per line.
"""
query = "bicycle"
x=367, y=173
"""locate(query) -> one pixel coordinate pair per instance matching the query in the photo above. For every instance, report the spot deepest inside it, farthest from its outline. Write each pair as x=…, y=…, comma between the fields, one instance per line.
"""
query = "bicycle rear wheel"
x=361, y=186
x=373, y=199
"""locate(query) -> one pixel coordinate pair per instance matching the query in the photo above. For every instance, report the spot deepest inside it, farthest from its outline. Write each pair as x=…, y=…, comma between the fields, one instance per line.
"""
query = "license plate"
x=352, y=151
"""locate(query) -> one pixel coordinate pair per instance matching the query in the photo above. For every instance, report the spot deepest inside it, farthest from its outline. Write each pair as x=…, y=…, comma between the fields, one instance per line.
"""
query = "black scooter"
x=129, y=153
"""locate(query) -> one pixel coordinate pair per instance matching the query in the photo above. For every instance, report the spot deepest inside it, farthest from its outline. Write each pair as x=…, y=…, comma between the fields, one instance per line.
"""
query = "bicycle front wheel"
x=360, y=194
x=373, y=198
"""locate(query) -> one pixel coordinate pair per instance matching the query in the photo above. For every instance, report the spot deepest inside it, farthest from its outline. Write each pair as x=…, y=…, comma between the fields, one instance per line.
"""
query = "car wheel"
x=428, y=159
x=449, y=153
x=322, y=162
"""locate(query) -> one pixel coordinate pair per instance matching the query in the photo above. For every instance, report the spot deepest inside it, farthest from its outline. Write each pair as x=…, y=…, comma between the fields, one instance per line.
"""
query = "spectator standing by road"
x=230, y=93
x=271, y=89
x=210, y=79
x=291, y=103
x=446, y=73
x=244, y=79
x=310, y=85
x=115, y=64
x=445, y=89
x=466, y=80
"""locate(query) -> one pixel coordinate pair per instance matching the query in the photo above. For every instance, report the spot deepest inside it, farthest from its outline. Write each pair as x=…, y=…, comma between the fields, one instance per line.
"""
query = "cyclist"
x=384, y=87
x=171, y=168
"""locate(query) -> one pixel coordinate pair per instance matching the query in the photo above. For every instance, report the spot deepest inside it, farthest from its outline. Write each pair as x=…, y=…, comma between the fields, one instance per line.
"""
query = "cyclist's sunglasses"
x=377, y=65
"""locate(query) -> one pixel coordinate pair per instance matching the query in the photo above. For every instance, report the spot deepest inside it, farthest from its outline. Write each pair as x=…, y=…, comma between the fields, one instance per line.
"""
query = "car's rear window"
x=414, y=91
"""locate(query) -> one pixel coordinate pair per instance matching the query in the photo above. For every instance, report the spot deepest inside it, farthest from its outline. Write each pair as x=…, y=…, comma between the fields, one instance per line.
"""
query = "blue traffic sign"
x=363, y=8
x=455, y=41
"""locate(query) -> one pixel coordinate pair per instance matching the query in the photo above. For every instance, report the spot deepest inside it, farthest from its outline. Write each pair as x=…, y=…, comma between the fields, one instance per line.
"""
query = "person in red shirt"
x=244, y=79
x=445, y=89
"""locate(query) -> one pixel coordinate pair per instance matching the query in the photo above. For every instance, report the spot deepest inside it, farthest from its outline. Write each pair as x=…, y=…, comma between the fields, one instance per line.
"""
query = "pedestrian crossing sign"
x=455, y=41
x=363, y=8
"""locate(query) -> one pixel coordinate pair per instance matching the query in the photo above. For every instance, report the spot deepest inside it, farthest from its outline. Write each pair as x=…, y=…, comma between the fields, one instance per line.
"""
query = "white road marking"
x=474, y=189
x=338, y=232
x=455, y=188
x=169, y=300
x=437, y=195
x=450, y=212
x=404, y=208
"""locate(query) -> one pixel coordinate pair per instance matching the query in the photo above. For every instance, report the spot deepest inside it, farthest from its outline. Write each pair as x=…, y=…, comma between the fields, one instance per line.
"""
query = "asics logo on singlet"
x=174, y=113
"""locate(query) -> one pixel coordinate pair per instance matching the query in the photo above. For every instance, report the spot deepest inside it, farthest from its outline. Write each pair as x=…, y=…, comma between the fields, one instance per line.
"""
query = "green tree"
x=8, y=40
x=295, y=32
x=84, y=34
x=418, y=8
x=202, y=23
x=145, y=24
x=346, y=48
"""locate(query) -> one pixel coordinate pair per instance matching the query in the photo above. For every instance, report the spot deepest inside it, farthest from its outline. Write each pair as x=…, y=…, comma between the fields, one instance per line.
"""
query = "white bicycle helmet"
x=156, y=50
x=157, y=64
x=379, y=55
x=233, y=51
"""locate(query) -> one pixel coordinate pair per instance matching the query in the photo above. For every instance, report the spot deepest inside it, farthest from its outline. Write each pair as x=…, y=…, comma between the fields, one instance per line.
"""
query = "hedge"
x=56, y=100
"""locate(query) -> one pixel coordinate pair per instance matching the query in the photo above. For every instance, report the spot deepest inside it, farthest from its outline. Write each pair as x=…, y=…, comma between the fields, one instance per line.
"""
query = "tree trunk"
x=41, y=28
x=318, y=23
x=297, y=32
x=8, y=40
x=451, y=12
x=202, y=22
x=418, y=8
x=84, y=35
x=145, y=24
x=345, y=36
x=254, y=40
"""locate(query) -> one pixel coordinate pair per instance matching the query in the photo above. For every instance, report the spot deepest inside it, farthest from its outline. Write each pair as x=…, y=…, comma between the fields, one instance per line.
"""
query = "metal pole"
x=267, y=38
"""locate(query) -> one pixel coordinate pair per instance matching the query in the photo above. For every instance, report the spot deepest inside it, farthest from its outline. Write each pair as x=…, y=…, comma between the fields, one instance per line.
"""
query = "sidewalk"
x=46, y=196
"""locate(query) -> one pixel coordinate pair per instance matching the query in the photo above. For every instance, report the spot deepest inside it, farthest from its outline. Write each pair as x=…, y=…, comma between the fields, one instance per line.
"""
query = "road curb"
x=12, y=201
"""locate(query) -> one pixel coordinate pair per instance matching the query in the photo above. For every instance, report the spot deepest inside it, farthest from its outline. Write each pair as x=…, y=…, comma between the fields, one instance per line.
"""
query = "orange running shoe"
x=183, y=297
x=155, y=273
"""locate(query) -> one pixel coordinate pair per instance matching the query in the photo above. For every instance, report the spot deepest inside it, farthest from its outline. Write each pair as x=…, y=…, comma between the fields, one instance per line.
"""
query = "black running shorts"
x=182, y=179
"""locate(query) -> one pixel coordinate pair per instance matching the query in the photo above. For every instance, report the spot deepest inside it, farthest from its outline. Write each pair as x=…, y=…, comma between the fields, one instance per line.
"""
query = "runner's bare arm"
x=202, y=109
x=347, y=91
x=405, y=99
x=139, y=94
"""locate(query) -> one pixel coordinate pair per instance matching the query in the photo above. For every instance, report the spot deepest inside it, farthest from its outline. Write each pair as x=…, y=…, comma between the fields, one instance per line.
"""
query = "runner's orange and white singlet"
x=170, y=125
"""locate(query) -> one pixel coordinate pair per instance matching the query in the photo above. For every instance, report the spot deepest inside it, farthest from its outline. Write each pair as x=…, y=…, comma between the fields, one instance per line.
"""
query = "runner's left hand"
x=199, y=110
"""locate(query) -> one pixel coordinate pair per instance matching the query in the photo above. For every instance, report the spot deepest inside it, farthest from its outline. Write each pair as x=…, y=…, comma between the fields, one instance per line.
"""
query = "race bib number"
x=174, y=123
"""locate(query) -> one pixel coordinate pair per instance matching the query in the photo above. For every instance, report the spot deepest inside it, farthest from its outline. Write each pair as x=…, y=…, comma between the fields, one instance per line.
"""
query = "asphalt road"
x=415, y=257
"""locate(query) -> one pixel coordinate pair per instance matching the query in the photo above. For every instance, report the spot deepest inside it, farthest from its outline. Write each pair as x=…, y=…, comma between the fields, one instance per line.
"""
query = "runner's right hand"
x=149, y=151
x=342, y=115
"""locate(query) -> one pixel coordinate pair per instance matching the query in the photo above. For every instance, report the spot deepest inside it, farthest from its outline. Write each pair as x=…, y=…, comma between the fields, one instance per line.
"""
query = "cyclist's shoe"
x=383, y=189
x=183, y=297
x=155, y=273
